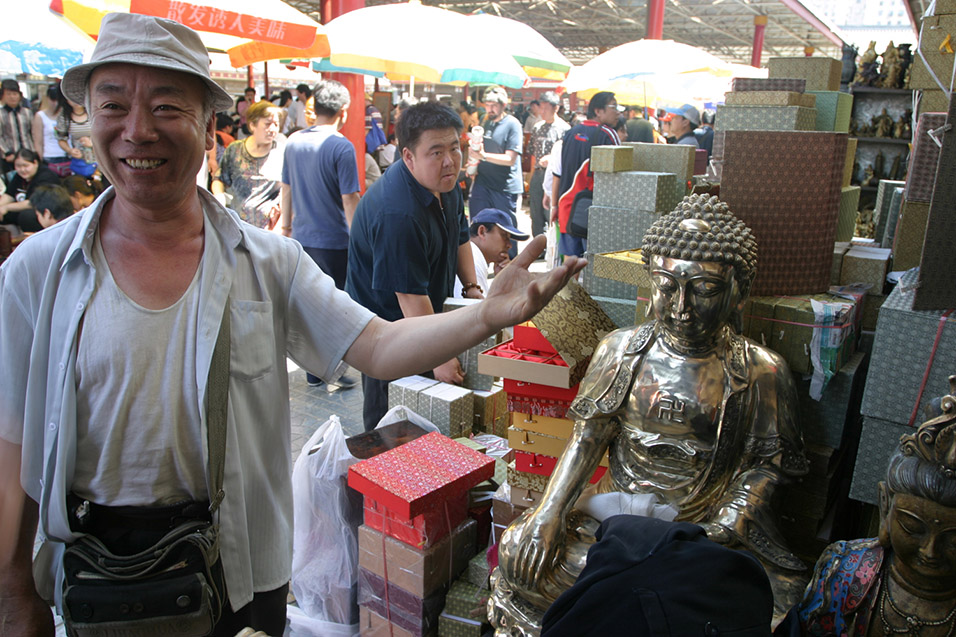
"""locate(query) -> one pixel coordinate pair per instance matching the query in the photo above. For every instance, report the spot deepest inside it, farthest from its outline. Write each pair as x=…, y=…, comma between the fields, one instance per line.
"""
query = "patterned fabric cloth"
x=544, y=135
x=843, y=592
x=15, y=129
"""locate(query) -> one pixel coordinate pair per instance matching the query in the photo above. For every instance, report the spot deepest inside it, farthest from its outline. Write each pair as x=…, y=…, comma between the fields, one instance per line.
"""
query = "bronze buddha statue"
x=686, y=409
x=902, y=582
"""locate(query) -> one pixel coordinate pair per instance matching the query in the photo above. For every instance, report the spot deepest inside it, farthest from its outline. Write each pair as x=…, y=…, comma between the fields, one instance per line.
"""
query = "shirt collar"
x=421, y=194
x=226, y=223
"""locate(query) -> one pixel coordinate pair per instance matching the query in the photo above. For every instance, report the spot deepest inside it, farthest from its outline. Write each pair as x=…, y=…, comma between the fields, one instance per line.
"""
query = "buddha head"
x=918, y=504
x=702, y=262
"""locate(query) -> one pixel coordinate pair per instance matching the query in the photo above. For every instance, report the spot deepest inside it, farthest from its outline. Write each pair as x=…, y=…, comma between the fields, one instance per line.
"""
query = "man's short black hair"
x=329, y=97
x=534, y=103
x=304, y=89
x=599, y=102
x=423, y=117
x=473, y=230
x=54, y=198
x=247, y=89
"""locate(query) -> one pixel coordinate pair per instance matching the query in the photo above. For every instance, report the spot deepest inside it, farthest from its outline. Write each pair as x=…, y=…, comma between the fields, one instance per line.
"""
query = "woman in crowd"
x=251, y=168
x=75, y=134
x=82, y=191
x=44, y=135
x=30, y=173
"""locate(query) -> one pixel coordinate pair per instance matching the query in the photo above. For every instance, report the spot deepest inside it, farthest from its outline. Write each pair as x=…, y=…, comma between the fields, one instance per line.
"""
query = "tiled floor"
x=312, y=406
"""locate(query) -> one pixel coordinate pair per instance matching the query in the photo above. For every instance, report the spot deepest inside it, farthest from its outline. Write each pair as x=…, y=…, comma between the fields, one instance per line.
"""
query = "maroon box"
x=786, y=186
x=921, y=177
x=792, y=85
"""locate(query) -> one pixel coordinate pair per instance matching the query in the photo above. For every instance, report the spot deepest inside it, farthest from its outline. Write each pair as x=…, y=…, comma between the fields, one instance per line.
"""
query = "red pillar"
x=655, y=19
x=760, y=26
x=354, y=129
x=265, y=79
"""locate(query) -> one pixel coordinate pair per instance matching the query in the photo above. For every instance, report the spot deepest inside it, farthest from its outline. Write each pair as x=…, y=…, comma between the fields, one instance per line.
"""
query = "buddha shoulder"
x=609, y=374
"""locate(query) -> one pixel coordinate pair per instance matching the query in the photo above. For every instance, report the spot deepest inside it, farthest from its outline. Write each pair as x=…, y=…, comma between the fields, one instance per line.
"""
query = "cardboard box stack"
x=417, y=537
x=909, y=345
x=542, y=367
x=633, y=185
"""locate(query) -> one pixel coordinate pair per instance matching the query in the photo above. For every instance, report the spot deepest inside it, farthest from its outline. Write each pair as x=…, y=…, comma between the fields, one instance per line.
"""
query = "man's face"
x=435, y=160
x=607, y=115
x=548, y=111
x=149, y=132
x=11, y=98
x=250, y=94
x=535, y=109
x=494, y=244
x=495, y=109
x=692, y=299
x=301, y=95
x=923, y=536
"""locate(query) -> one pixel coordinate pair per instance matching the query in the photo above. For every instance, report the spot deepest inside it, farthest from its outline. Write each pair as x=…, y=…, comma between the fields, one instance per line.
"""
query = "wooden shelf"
x=882, y=140
x=884, y=91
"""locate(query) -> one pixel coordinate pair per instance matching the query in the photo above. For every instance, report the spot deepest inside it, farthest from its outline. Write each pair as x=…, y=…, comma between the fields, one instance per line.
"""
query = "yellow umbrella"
x=250, y=30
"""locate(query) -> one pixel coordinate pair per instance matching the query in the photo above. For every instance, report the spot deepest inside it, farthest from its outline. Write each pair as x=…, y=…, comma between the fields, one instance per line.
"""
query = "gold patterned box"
x=636, y=189
x=851, y=144
x=526, y=480
x=833, y=110
x=625, y=266
x=525, y=497
x=448, y=407
x=932, y=101
x=467, y=601
x=867, y=266
x=451, y=626
x=534, y=442
x=666, y=158
x=846, y=219
x=820, y=73
x=871, y=311
x=936, y=44
x=491, y=411
x=560, y=427
x=910, y=233
x=405, y=391
x=769, y=98
x=478, y=572
x=611, y=159
x=784, y=118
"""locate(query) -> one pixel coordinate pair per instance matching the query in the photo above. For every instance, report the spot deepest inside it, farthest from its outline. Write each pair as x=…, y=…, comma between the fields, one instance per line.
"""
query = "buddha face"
x=922, y=534
x=692, y=300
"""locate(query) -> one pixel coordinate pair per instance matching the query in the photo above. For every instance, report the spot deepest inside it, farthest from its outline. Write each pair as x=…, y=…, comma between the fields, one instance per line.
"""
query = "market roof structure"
x=582, y=29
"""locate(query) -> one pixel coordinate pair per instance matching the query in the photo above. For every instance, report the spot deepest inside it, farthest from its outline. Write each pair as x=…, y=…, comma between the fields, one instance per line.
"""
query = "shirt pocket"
x=253, y=346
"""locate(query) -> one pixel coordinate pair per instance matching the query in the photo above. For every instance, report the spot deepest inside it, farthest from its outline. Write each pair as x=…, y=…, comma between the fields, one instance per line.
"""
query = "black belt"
x=89, y=517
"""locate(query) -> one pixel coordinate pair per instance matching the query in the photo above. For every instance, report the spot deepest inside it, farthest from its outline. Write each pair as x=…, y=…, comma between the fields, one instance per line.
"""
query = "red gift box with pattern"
x=420, y=475
x=423, y=530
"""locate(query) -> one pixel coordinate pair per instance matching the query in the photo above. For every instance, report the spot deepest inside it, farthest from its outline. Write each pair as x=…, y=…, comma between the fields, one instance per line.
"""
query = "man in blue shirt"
x=498, y=182
x=681, y=123
x=320, y=190
x=410, y=237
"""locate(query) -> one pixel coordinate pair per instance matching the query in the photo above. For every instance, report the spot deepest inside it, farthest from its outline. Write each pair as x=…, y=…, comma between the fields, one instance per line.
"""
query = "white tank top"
x=51, y=147
x=138, y=423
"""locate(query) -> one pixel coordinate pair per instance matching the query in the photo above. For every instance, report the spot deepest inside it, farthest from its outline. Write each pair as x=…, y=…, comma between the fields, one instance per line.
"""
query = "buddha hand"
x=530, y=546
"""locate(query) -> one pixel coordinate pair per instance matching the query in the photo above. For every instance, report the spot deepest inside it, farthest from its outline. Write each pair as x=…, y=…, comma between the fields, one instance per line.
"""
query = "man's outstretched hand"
x=516, y=295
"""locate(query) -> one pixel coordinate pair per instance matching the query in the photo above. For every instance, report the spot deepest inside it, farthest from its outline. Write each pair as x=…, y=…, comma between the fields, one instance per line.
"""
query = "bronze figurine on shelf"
x=891, y=70
x=906, y=60
x=688, y=412
x=882, y=125
x=869, y=177
x=868, y=70
x=904, y=581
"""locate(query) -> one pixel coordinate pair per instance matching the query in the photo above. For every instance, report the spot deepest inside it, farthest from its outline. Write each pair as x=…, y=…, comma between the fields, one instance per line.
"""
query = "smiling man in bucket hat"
x=110, y=320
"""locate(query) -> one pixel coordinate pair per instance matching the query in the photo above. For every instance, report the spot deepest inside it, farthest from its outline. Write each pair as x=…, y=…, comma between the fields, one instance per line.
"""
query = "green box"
x=833, y=110
x=677, y=159
x=467, y=601
x=636, y=189
x=766, y=118
x=478, y=571
x=821, y=73
x=451, y=626
x=611, y=159
x=846, y=218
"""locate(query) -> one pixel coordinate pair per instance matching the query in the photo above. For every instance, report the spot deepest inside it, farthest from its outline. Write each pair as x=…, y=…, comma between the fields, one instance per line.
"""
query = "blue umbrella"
x=37, y=59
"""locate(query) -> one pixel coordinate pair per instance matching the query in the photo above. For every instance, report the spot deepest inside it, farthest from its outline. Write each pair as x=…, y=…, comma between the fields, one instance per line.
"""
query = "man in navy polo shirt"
x=575, y=170
x=409, y=237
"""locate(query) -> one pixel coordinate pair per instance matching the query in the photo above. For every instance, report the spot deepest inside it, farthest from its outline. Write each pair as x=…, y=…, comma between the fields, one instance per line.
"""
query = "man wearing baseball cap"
x=492, y=235
x=680, y=124
x=111, y=322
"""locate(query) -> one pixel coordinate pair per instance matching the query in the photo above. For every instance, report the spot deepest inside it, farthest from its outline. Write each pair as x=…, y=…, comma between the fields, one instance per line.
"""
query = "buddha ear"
x=884, y=501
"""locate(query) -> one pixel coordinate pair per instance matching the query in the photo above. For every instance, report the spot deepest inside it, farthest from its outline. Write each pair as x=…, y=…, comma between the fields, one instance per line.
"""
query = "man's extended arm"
x=22, y=612
x=349, y=204
x=506, y=158
x=420, y=305
x=400, y=348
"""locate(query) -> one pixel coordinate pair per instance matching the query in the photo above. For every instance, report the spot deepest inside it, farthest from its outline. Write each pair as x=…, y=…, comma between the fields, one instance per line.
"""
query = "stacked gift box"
x=449, y=407
x=910, y=346
x=633, y=185
x=417, y=536
x=866, y=266
x=542, y=366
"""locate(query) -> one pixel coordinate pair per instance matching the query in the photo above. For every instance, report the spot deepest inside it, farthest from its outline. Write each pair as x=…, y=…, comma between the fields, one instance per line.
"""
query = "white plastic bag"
x=325, y=543
x=551, y=256
x=298, y=624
